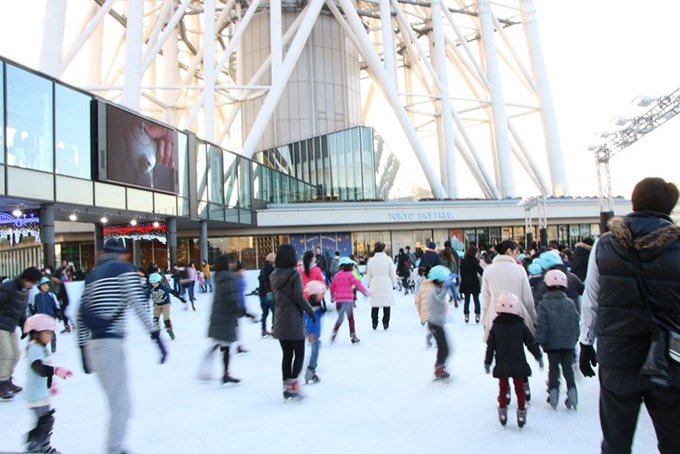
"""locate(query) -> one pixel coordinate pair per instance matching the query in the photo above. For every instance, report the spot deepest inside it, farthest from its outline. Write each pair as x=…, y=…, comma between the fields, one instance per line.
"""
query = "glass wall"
x=73, y=132
x=202, y=180
x=2, y=113
x=29, y=120
x=215, y=193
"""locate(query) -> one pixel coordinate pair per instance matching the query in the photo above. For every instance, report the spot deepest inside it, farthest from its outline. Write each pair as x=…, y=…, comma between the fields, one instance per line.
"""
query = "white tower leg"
x=53, y=37
x=132, y=85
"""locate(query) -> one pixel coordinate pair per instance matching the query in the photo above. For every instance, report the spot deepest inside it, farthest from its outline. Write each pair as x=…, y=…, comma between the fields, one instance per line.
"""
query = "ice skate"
x=12, y=388
x=572, y=399
x=355, y=339
x=228, y=379
x=440, y=374
x=266, y=333
x=527, y=391
x=67, y=329
x=467, y=318
x=291, y=390
x=386, y=325
x=38, y=439
x=375, y=324
x=193, y=306
x=521, y=418
x=476, y=318
x=171, y=334
x=503, y=416
x=5, y=394
x=241, y=349
x=311, y=377
x=553, y=397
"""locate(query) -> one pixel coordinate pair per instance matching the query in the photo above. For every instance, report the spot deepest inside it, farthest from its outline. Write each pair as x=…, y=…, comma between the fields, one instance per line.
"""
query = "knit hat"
x=432, y=245
x=114, y=245
x=271, y=257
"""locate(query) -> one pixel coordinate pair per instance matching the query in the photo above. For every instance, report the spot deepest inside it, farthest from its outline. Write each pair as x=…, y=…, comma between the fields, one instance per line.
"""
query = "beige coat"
x=381, y=278
x=422, y=300
x=504, y=275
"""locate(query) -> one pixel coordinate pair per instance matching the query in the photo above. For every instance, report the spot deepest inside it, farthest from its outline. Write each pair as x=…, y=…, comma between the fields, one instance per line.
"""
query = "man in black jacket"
x=615, y=312
x=13, y=301
x=579, y=259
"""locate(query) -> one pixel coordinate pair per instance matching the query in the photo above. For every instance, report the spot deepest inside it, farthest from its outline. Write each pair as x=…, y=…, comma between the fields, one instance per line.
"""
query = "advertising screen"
x=140, y=152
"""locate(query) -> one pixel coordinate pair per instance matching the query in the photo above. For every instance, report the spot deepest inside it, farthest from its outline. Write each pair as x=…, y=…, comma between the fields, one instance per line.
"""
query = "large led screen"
x=140, y=152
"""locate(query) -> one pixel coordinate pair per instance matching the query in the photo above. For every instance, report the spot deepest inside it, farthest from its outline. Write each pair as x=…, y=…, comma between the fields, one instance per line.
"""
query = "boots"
x=14, y=389
x=168, y=328
x=38, y=439
x=503, y=416
x=291, y=389
x=553, y=397
x=375, y=324
x=226, y=378
x=467, y=318
x=311, y=377
x=572, y=398
x=355, y=339
x=5, y=394
x=440, y=373
x=521, y=418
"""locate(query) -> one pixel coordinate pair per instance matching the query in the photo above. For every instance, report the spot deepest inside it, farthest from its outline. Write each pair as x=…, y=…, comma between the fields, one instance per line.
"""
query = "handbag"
x=662, y=365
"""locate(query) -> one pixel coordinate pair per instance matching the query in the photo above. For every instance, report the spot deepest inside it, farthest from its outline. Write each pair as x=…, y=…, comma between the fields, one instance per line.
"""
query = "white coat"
x=381, y=278
x=504, y=275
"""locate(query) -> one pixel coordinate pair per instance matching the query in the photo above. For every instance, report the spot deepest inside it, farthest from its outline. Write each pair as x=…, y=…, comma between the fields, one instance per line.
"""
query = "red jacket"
x=315, y=274
x=341, y=287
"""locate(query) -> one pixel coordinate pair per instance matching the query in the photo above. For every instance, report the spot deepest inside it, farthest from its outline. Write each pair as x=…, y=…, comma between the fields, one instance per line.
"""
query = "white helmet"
x=555, y=278
x=40, y=322
x=508, y=303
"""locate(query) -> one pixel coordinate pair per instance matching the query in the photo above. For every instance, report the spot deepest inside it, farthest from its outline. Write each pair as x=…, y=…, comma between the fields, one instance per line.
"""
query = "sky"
x=599, y=55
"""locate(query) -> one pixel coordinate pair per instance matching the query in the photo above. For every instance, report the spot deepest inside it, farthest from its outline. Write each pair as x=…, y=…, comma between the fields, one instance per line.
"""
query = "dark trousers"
x=621, y=393
x=504, y=387
x=442, y=343
x=386, y=315
x=293, y=357
x=266, y=307
x=225, y=358
x=404, y=282
x=466, y=306
x=189, y=288
x=565, y=358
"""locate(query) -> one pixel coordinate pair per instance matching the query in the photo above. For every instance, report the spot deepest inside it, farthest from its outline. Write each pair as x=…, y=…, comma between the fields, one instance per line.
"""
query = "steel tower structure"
x=446, y=69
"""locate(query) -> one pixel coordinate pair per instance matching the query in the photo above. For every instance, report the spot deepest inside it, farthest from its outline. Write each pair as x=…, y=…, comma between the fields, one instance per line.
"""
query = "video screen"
x=140, y=152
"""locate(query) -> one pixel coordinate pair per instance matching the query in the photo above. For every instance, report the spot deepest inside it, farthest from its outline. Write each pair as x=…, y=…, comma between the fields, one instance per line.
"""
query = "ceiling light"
x=156, y=224
x=133, y=222
x=73, y=217
x=16, y=213
x=104, y=220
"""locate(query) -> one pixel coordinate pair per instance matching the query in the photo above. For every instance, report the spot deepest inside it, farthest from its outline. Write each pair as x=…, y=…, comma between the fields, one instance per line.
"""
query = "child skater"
x=507, y=338
x=343, y=295
x=45, y=302
x=39, y=381
x=160, y=295
x=557, y=331
x=438, y=304
x=424, y=288
x=314, y=292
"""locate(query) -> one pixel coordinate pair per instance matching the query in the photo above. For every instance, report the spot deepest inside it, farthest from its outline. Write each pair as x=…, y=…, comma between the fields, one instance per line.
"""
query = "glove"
x=63, y=373
x=540, y=363
x=86, y=367
x=161, y=347
x=487, y=368
x=312, y=315
x=587, y=360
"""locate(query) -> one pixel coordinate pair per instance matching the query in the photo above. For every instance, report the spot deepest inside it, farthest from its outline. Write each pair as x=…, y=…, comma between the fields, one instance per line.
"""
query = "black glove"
x=487, y=368
x=587, y=360
x=86, y=367
x=23, y=335
x=161, y=347
x=312, y=315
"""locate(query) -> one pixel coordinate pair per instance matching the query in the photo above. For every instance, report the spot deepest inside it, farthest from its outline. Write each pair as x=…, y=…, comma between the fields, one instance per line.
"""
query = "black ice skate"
x=291, y=390
x=38, y=439
x=355, y=339
x=553, y=397
x=521, y=418
x=503, y=416
x=572, y=399
x=171, y=334
x=311, y=377
x=228, y=379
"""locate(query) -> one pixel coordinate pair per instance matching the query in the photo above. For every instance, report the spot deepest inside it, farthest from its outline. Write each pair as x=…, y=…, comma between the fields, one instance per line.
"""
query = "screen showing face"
x=140, y=152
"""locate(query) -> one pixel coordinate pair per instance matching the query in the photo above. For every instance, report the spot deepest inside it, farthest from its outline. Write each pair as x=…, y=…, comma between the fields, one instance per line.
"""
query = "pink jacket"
x=341, y=287
x=315, y=274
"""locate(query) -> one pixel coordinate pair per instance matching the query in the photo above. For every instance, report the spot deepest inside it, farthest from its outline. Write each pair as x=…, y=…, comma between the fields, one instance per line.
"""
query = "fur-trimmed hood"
x=658, y=233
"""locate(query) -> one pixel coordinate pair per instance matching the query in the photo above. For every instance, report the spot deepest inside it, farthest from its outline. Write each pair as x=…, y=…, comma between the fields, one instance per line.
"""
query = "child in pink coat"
x=342, y=294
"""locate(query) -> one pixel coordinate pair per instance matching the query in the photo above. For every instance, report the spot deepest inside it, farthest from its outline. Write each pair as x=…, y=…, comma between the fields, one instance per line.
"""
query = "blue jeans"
x=266, y=307
x=314, y=357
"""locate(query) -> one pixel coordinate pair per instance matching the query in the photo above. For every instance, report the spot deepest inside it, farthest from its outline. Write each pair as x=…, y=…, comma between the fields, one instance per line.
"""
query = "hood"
x=585, y=246
x=644, y=230
x=280, y=277
x=222, y=276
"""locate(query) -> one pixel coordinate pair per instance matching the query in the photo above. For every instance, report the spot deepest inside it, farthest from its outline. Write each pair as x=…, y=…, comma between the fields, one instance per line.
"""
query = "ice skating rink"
x=374, y=397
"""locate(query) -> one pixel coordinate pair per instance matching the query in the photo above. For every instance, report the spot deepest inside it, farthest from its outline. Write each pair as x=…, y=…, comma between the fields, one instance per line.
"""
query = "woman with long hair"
x=470, y=270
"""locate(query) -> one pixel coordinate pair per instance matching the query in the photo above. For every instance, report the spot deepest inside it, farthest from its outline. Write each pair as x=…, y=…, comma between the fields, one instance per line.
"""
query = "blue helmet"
x=521, y=257
x=155, y=278
x=550, y=259
x=346, y=261
x=438, y=273
x=535, y=268
x=43, y=280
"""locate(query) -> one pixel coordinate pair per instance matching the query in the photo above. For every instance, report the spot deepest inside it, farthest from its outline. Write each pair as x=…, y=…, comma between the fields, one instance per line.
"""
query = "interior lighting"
x=73, y=217
x=104, y=220
x=156, y=224
x=133, y=222
x=16, y=213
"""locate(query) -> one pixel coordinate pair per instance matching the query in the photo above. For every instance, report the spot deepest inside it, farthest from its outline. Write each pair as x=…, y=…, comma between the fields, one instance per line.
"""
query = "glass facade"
x=73, y=132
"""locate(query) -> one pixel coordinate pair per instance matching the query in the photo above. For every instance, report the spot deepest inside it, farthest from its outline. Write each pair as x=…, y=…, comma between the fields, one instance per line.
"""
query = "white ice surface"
x=375, y=397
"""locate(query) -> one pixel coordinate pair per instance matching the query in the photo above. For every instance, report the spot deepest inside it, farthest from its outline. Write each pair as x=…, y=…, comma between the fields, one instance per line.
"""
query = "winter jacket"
x=225, y=309
x=39, y=376
x=623, y=328
x=321, y=262
x=341, y=287
x=453, y=264
x=313, y=327
x=206, y=271
x=315, y=274
x=430, y=258
x=161, y=294
x=45, y=303
x=423, y=299
x=470, y=270
x=438, y=305
x=403, y=265
x=575, y=288
x=13, y=301
x=381, y=278
x=507, y=338
x=579, y=260
x=504, y=275
x=335, y=266
x=557, y=327
x=290, y=304
x=263, y=279
x=191, y=273
x=110, y=289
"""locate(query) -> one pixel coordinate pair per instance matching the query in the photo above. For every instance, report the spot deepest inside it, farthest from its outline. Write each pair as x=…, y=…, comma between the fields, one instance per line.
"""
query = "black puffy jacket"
x=13, y=302
x=579, y=260
x=507, y=338
x=624, y=326
x=226, y=309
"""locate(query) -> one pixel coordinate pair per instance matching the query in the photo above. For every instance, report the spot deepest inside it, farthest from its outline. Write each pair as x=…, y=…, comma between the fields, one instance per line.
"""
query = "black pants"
x=621, y=393
x=386, y=315
x=442, y=344
x=225, y=358
x=466, y=306
x=566, y=359
x=293, y=357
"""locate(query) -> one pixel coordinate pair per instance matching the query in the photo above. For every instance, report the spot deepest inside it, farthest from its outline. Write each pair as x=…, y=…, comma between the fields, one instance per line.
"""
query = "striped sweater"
x=110, y=289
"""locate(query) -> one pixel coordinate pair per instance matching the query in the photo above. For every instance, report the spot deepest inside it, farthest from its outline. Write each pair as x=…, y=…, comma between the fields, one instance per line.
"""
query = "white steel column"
x=552, y=137
x=209, y=70
x=95, y=47
x=451, y=184
x=53, y=37
x=500, y=118
x=170, y=77
x=133, y=56
x=275, y=40
x=388, y=41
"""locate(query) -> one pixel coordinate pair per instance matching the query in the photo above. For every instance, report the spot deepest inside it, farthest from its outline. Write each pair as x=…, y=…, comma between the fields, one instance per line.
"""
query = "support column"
x=204, y=240
x=171, y=226
x=98, y=238
x=388, y=41
x=500, y=118
x=47, y=234
x=132, y=81
x=170, y=77
x=53, y=37
x=95, y=47
x=137, y=252
x=209, y=69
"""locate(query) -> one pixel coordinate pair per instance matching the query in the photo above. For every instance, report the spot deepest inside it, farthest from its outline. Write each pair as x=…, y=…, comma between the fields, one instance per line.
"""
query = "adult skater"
x=470, y=270
x=265, y=292
x=288, y=323
x=381, y=279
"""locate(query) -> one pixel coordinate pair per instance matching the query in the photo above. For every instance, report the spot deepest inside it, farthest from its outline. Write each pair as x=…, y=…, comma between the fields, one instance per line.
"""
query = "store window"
x=367, y=160
x=73, y=132
x=29, y=120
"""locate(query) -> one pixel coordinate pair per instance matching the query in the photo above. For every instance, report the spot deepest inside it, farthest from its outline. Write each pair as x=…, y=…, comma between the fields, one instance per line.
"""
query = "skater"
x=470, y=270
x=191, y=285
x=422, y=299
x=13, y=302
x=110, y=289
x=223, y=329
x=557, y=332
x=288, y=322
x=438, y=304
x=343, y=296
x=314, y=292
x=381, y=278
x=240, y=270
x=507, y=338
x=45, y=302
x=265, y=292
x=160, y=296
x=403, y=269
x=207, y=280
x=40, y=382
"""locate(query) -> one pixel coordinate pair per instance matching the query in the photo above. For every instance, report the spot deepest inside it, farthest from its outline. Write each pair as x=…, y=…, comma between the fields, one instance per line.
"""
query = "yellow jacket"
x=422, y=299
x=206, y=271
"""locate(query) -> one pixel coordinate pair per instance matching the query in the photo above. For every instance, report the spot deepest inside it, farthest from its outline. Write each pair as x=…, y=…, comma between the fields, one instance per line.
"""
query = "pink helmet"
x=555, y=278
x=315, y=288
x=508, y=303
x=40, y=322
